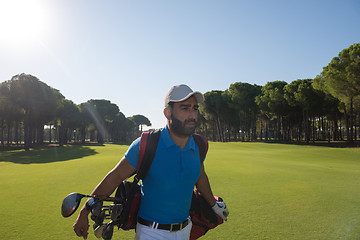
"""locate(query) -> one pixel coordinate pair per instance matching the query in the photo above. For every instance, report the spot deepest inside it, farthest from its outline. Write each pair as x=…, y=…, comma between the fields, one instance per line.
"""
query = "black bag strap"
x=202, y=144
x=147, y=150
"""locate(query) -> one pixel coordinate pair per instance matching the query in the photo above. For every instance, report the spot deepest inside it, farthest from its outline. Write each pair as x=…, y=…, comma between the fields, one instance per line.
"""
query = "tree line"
x=32, y=112
x=326, y=108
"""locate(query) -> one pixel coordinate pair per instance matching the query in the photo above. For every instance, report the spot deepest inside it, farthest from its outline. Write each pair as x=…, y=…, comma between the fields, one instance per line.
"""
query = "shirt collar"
x=169, y=142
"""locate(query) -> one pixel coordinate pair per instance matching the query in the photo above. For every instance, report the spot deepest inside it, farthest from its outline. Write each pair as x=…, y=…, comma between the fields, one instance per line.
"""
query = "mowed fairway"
x=273, y=191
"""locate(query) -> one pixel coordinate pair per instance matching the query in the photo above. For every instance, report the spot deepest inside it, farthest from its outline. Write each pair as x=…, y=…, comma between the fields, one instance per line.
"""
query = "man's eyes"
x=195, y=108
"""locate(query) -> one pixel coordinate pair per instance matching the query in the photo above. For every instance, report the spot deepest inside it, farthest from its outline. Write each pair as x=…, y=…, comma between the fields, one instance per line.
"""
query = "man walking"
x=175, y=170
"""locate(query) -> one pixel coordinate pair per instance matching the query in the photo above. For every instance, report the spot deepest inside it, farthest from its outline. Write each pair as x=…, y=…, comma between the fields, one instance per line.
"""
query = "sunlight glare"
x=22, y=21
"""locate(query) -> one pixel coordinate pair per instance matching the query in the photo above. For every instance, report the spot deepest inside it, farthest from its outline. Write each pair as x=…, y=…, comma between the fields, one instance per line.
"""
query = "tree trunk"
x=61, y=135
x=336, y=130
x=267, y=130
x=83, y=134
x=219, y=129
x=313, y=129
x=351, y=123
x=27, y=131
x=356, y=124
x=17, y=133
x=2, y=132
x=329, y=130
x=9, y=135
x=340, y=130
x=56, y=133
x=50, y=134
x=278, y=131
x=40, y=134
x=306, y=126
x=261, y=130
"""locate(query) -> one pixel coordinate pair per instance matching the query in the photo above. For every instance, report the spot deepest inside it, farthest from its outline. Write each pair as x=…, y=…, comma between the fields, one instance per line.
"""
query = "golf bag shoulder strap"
x=147, y=150
x=202, y=144
x=148, y=146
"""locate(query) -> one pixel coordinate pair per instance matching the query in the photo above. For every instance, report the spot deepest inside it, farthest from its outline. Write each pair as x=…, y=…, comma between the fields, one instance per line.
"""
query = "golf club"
x=72, y=201
x=99, y=230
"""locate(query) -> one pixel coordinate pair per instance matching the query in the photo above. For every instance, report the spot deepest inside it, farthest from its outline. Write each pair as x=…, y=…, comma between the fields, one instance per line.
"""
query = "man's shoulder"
x=198, y=138
x=135, y=142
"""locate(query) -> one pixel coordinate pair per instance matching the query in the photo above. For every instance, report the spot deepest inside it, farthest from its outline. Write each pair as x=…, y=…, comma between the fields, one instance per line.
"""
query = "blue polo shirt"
x=168, y=186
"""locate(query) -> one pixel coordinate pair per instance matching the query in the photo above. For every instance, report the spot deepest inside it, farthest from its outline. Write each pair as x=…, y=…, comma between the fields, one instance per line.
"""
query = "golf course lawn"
x=273, y=191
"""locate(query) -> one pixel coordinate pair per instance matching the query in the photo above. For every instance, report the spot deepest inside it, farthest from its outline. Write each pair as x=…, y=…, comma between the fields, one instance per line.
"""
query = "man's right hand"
x=81, y=225
x=107, y=186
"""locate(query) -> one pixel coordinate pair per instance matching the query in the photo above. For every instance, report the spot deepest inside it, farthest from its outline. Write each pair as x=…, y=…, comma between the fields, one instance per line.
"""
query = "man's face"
x=184, y=117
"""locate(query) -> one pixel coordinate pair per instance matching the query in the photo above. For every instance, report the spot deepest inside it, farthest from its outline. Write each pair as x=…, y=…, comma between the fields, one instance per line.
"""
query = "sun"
x=22, y=21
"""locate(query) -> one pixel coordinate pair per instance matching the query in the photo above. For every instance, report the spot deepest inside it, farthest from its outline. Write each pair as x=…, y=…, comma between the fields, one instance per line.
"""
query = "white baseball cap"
x=180, y=93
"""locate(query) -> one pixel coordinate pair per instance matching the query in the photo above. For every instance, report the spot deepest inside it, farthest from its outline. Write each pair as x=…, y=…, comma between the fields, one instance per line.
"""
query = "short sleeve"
x=132, y=154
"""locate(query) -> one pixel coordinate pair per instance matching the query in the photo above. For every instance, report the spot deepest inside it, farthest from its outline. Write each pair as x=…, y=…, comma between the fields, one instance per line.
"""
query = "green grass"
x=273, y=191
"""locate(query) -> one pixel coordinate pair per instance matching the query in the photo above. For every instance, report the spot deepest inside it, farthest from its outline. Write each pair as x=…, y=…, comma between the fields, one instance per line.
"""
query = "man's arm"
x=105, y=188
x=203, y=186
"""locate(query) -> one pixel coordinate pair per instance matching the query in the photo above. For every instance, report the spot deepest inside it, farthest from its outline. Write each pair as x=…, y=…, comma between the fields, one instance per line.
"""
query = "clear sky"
x=132, y=52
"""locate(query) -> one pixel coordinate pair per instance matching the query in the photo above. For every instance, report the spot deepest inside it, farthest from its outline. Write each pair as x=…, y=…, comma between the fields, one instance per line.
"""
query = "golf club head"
x=96, y=210
x=116, y=210
x=70, y=204
x=108, y=231
x=99, y=230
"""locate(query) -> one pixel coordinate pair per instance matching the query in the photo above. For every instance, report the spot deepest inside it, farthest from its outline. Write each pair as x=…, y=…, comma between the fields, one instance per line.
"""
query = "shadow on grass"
x=121, y=143
x=47, y=154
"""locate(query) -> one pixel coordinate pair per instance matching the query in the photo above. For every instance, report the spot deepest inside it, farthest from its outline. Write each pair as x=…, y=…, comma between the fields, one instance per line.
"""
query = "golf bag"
x=202, y=216
x=131, y=190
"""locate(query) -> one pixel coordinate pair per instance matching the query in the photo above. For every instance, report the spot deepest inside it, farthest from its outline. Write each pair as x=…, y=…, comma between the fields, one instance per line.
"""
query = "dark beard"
x=179, y=128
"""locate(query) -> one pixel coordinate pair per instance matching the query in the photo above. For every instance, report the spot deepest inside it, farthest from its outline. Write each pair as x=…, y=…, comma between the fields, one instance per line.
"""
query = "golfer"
x=175, y=170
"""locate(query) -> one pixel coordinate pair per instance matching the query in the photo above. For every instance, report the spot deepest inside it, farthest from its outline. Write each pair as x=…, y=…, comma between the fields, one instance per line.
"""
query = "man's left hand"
x=220, y=209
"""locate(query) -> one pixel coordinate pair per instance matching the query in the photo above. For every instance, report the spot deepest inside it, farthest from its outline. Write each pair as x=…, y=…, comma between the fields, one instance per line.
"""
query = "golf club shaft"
x=103, y=198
